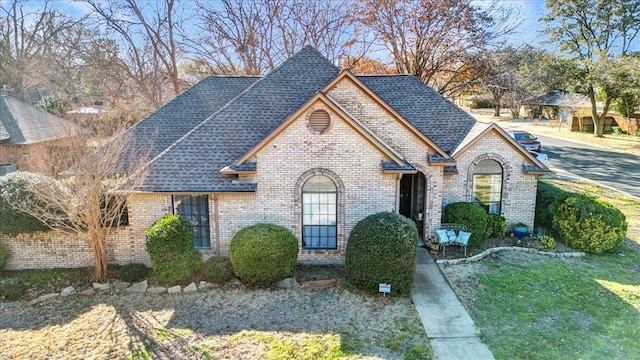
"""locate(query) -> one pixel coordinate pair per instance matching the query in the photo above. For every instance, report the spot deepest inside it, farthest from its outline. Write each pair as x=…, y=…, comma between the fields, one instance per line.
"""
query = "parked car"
x=526, y=139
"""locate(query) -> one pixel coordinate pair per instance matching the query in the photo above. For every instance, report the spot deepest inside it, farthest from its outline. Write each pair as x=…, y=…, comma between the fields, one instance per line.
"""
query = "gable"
x=322, y=102
x=482, y=131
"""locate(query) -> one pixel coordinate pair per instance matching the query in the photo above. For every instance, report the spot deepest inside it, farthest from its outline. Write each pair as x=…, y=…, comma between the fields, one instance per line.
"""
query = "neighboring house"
x=569, y=108
x=30, y=137
x=316, y=150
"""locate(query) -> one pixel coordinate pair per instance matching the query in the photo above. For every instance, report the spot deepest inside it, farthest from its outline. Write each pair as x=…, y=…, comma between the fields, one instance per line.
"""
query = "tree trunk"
x=496, y=108
x=99, y=254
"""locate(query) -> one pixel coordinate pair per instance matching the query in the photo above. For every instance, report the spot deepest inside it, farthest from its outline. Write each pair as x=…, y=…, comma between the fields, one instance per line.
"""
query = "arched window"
x=487, y=185
x=319, y=209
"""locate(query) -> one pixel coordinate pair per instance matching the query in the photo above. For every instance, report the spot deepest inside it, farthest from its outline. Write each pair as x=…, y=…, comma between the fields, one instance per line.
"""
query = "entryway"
x=412, y=196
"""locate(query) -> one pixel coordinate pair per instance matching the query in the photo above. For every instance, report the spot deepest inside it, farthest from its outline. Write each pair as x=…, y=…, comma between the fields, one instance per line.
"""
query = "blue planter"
x=520, y=231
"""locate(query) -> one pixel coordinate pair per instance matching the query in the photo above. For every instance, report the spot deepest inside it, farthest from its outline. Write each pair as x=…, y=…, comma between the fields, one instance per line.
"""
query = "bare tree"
x=253, y=36
x=26, y=39
x=147, y=34
x=88, y=200
x=438, y=41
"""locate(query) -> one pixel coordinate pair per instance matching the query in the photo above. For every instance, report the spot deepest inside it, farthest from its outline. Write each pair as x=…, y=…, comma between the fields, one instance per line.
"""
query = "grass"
x=584, y=308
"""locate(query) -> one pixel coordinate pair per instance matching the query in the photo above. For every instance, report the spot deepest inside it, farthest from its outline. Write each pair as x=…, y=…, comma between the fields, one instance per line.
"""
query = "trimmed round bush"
x=133, y=272
x=589, y=224
x=170, y=246
x=471, y=215
x=15, y=187
x=263, y=254
x=382, y=249
x=12, y=289
x=217, y=270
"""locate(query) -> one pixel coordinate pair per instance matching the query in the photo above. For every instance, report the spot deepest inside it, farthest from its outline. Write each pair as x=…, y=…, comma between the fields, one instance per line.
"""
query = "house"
x=568, y=108
x=30, y=137
x=316, y=149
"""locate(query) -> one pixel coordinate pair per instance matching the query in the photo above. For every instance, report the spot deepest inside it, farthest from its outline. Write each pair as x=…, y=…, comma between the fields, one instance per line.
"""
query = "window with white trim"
x=319, y=213
x=487, y=185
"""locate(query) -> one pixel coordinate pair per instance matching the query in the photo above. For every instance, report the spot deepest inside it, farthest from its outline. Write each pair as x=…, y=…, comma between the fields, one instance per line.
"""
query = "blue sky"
x=527, y=32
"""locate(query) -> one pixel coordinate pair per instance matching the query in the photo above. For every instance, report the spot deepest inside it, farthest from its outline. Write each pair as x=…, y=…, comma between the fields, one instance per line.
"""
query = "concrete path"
x=450, y=329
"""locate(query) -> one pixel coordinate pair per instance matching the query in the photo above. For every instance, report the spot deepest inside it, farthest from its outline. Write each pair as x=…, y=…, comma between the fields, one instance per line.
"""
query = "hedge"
x=471, y=215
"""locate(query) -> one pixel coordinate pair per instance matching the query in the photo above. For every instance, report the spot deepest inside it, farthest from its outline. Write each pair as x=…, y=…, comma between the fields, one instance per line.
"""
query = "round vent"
x=319, y=121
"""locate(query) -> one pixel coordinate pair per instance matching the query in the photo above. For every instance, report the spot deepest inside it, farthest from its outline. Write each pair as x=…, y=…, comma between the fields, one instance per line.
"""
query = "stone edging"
x=488, y=252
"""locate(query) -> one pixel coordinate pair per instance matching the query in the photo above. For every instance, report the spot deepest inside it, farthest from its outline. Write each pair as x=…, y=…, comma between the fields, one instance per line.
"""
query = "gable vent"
x=319, y=121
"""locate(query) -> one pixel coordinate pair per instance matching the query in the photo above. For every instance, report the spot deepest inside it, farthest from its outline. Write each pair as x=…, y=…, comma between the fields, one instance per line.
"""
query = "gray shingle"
x=177, y=117
x=193, y=163
x=21, y=123
x=436, y=117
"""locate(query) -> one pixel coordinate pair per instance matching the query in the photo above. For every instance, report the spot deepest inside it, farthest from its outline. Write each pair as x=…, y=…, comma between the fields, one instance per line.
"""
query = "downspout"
x=216, y=221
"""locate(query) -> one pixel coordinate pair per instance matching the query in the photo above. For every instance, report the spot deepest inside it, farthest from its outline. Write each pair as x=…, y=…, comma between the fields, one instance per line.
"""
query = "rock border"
x=143, y=288
x=488, y=252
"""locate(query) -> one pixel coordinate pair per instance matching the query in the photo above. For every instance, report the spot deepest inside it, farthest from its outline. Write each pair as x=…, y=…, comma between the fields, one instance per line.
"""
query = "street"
x=620, y=171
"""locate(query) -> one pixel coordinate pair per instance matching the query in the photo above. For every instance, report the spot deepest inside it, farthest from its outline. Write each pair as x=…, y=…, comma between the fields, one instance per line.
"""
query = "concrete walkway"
x=450, y=329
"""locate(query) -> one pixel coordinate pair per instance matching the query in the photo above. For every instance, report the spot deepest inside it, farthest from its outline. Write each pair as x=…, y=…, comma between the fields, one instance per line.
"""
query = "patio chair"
x=453, y=234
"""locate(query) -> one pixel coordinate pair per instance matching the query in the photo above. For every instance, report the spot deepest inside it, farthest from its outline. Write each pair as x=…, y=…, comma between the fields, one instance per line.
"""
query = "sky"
x=527, y=32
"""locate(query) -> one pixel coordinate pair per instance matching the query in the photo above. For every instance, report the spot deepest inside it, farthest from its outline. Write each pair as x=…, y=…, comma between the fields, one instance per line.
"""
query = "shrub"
x=473, y=216
x=496, y=226
x=547, y=243
x=589, y=224
x=263, y=254
x=15, y=187
x=170, y=246
x=12, y=289
x=547, y=195
x=133, y=272
x=217, y=270
x=382, y=249
x=4, y=258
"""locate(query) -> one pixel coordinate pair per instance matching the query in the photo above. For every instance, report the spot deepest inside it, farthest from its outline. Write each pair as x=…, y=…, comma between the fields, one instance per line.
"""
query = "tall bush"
x=548, y=194
x=4, y=258
x=170, y=247
x=471, y=215
x=496, y=226
x=14, y=187
x=382, y=249
x=590, y=224
x=263, y=254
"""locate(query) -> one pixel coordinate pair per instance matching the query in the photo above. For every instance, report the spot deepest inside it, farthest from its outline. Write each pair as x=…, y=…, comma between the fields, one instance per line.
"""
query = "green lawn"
x=551, y=308
x=587, y=308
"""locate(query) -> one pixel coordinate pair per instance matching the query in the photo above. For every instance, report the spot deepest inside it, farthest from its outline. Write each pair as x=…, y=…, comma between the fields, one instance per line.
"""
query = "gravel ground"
x=225, y=323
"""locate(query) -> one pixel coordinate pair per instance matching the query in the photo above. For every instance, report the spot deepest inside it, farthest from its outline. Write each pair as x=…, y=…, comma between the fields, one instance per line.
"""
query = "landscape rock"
x=42, y=298
x=157, y=290
x=174, y=289
x=320, y=284
x=204, y=285
x=288, y=283
x=191, y=288
x=140, y=287
x=120, y=285
x=102, y=286
x=235, y=282
x=68, y=291
x=87, y=292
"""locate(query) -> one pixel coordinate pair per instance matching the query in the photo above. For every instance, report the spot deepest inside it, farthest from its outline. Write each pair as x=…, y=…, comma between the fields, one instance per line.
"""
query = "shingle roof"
x=193, y=162
x=172, y=121
x=437, y=118
x=21, y=123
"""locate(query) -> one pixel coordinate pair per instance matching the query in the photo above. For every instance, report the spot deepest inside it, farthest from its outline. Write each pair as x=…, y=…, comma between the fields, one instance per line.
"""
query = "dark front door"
x=406, y=187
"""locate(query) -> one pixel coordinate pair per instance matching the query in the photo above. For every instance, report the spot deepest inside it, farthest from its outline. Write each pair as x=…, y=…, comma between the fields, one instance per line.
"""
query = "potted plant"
x=520, y=230
x=420, y=215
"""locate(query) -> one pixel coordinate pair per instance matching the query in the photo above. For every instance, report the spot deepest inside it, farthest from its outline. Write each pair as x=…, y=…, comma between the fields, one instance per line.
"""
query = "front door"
x=412, y=196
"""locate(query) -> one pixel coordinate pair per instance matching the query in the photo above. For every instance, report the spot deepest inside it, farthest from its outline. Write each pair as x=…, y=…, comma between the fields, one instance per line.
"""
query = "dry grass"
x=225, y=323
